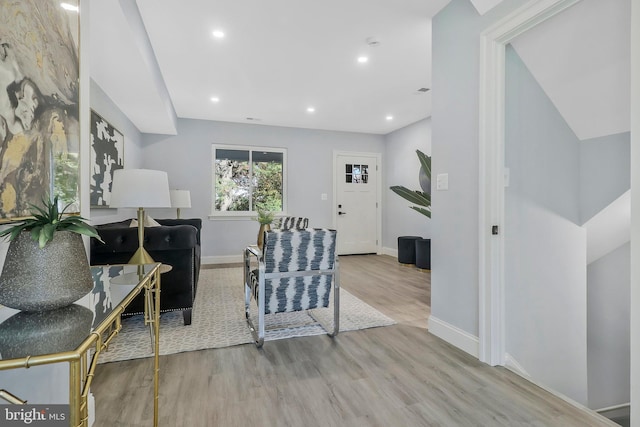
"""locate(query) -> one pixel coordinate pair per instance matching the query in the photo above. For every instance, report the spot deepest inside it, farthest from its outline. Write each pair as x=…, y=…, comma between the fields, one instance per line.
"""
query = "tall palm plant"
x=420, y=198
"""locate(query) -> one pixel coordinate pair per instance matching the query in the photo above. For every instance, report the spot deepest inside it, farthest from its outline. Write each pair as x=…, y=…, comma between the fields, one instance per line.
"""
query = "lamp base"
x=141, y=257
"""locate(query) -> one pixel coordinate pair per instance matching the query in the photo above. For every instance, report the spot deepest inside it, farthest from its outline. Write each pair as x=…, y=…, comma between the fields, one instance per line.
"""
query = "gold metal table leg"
x=156, y=351
x=75, y=390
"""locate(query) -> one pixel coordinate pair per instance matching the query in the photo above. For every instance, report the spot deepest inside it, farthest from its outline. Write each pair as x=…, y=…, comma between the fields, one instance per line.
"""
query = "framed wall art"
x=107, y=152
x=39, y=106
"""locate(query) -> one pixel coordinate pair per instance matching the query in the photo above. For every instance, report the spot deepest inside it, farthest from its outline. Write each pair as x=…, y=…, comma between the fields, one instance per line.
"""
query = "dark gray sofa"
x=176, y=243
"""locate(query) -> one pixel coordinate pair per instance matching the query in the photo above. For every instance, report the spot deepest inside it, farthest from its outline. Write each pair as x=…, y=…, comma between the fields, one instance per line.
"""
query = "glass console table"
x=79, y=333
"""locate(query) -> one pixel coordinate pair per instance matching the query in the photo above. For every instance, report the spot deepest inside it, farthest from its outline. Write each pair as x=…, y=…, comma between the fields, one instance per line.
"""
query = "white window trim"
x=248, y=215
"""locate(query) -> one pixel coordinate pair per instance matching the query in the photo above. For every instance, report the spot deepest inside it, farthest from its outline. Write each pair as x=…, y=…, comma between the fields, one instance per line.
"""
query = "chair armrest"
x=253, y=250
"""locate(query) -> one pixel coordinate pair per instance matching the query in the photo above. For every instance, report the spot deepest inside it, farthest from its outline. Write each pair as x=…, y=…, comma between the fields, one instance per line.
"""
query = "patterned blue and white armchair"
x=288, y=222
x=296, y=271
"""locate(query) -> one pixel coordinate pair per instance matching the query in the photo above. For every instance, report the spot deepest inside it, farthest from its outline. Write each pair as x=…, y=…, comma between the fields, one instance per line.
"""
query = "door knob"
x=341, y=213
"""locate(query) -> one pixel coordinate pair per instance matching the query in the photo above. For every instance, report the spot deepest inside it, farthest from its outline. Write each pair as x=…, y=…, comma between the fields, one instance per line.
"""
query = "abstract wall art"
x=39, y=111
x=107, y=151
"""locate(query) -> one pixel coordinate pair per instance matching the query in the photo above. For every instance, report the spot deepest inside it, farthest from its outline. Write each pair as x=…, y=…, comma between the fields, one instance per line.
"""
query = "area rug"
x=218, y=321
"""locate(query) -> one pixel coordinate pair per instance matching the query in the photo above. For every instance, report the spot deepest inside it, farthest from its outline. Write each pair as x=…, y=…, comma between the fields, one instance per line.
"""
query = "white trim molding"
x=493, y=42
x=221, y=259
x=390, y=251
x=378, y=157
x=453, y=335
x=635, y=218
x=512, y=364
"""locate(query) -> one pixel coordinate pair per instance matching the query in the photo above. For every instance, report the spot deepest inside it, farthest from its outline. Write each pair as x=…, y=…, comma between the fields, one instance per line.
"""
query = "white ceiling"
x=158, y=61
x=581, y=58
x=277, y=59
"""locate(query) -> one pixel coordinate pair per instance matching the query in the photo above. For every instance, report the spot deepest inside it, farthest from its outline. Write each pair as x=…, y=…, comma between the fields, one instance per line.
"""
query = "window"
x=248, y=179
x=356, y=174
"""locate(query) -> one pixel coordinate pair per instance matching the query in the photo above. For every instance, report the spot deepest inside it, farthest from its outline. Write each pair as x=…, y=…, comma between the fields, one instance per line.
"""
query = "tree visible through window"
x=248, y=179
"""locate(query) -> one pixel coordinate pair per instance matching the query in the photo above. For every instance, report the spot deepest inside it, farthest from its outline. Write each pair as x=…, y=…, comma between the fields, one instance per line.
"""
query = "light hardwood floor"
x=397, y=375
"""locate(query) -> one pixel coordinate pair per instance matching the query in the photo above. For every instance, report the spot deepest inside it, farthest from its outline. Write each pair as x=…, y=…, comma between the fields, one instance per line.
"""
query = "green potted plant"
x=46, y=266
x=265, y=218
x=420, y=198
x=412, y=249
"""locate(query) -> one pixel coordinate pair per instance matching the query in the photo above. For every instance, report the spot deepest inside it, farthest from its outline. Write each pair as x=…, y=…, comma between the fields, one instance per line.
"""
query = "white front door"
x=357, y=216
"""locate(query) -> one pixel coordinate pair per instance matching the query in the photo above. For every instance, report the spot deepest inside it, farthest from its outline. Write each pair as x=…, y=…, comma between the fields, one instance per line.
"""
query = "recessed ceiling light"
x=67, y=6
x=389, y=118
x=311, y=110
x=363, y=59
x=215, y=99
x=219, y=34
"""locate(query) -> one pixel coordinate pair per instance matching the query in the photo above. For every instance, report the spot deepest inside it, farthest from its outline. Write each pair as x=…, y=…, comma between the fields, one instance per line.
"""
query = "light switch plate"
x=442, y=181
x=323, y=196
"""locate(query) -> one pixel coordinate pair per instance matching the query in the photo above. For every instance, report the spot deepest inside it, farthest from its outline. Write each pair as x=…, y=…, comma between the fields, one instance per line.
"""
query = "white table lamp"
x=180, y=199
x=140, y=188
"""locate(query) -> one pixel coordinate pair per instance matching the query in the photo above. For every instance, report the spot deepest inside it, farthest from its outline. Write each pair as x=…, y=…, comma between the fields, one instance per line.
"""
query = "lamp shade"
x=140, y=188
x=180, y=198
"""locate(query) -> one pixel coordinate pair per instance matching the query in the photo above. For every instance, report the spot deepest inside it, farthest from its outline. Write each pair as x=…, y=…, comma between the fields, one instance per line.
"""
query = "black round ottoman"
x=423, y=253
x=407, y=249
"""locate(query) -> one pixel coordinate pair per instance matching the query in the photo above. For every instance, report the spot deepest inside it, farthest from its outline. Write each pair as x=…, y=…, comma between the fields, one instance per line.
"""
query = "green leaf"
x=39, y=212
x=425, y=162
x=7, y=231
x=16, y=232
x=46, y=221
x=85, y=229
x=35, y=233
x=12, y=232
x=423, y=211
x=46, y=234
x=73, y=219
x=417, y=197
x=65, y=208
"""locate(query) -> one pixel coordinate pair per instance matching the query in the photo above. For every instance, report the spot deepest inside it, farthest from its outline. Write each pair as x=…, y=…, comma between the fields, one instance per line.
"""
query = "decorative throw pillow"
x=148, y=222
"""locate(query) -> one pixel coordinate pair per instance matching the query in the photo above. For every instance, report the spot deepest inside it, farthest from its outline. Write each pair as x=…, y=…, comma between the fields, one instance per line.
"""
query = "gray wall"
x=105, y=107
x=401, y=167
x=456, y=31
x=605, y=172
x=188, y=160
x=608, y=320
x=545, y=247
x=454, y=227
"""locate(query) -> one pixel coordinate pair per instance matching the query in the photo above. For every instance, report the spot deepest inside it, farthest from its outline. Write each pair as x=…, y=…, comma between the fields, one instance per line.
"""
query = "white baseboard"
x=454, y=336
x=390, y=251
x=512, y=364
x=231, y=259
x=587, y=410
x=617, y=411
x=223, y=259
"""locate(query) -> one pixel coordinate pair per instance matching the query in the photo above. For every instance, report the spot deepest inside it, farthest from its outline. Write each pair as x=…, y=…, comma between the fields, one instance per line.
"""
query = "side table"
x=91, y=337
